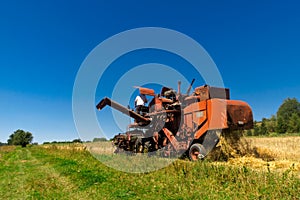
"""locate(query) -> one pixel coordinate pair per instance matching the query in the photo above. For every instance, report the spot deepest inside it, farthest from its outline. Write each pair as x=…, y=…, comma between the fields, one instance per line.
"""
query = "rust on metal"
x=145, y=91
x=175, y=122
x=119, y=107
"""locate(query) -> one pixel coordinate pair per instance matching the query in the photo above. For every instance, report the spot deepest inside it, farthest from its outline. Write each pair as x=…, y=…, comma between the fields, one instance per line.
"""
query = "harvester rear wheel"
x=197, y=152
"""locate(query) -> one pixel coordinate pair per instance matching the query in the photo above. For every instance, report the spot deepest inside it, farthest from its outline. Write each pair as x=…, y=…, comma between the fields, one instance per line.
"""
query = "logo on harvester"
x=163, y=125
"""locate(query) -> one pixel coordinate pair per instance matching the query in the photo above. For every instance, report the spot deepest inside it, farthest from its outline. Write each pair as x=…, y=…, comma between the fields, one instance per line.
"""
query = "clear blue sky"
x=255, y=45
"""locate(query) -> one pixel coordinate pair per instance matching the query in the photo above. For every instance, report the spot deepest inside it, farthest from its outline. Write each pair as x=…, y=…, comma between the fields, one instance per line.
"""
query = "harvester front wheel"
x=197, y=152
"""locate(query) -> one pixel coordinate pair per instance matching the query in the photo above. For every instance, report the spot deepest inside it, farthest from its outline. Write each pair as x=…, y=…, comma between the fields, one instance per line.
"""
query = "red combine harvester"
x=181, y=124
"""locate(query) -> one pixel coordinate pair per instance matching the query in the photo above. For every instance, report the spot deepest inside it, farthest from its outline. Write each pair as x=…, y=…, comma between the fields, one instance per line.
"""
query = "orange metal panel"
x=217, y=114
x=199, y=117
x=188, y=120
x=195, y=107
x=195, y=114
x=201, y=131
x=146, y=91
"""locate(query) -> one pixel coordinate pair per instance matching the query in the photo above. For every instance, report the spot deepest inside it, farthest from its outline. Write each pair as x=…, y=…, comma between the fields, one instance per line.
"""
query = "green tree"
x=271, y=124
x=77, y=141
x=2, y=144
x=281, y=125
x=99, y=139
x=284, y=113
x=294, y=124
x=256, y=129
x=263, y=127
x=249, y=132
x=20, y=137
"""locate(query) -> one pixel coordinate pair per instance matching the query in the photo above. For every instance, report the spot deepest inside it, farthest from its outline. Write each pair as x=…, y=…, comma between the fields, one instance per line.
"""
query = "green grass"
x=38, y=173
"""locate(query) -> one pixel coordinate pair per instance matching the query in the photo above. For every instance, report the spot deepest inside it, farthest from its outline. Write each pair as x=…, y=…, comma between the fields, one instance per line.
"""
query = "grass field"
x=40, y=172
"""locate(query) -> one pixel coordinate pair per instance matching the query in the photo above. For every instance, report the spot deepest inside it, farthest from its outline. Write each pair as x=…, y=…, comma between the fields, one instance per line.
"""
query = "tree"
x=99, y=139
x=256, y=129
x=281, y=124
x=263, y=127
x=249, y=132
x=77, y=141
x=284, y=113
x=2, y=144
x=294, y=124
x=20, y=137
x=271, y=124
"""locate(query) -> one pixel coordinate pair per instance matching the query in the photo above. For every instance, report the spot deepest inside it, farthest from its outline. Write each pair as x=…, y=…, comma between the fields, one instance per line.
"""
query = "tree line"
x=286, y=120
x=64, y=142
x=23, y=138
x=76, y=141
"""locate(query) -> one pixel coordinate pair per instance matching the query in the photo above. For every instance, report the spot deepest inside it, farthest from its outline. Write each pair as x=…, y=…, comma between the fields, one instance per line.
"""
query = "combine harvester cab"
x=177, y=124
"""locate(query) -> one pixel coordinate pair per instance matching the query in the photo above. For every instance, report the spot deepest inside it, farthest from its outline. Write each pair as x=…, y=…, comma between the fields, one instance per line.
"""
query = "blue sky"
x=255, y=45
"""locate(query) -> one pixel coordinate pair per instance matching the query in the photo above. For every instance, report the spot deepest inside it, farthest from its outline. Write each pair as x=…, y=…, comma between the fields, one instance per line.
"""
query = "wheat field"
x=282, y=148
x=271, y=153
x=282, y=153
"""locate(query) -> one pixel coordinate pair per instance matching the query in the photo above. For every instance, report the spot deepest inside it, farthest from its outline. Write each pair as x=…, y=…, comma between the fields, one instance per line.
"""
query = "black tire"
x=197, y=152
